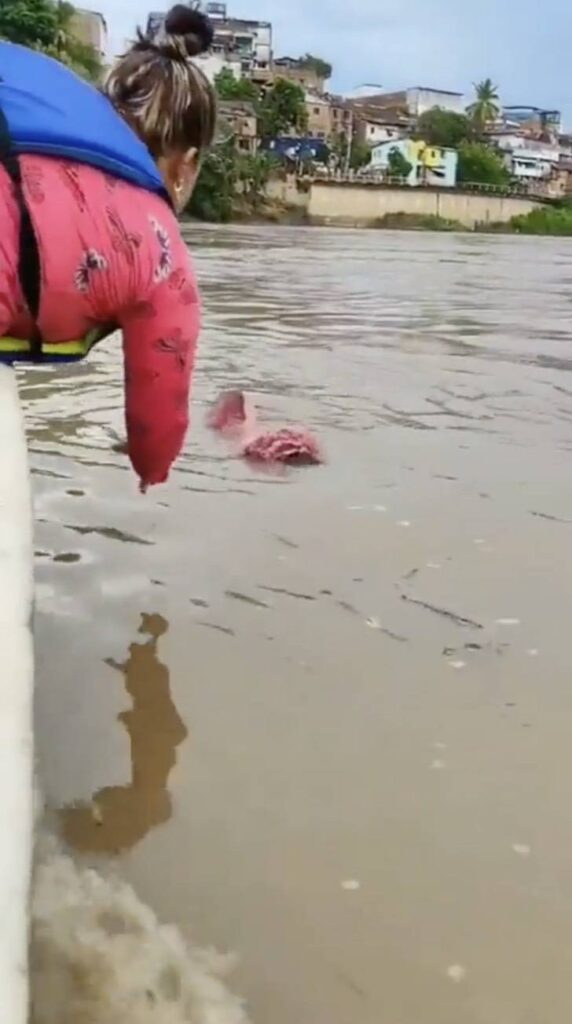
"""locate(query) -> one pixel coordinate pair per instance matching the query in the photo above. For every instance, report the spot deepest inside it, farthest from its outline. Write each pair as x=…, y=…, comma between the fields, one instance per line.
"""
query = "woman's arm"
x=159, y=341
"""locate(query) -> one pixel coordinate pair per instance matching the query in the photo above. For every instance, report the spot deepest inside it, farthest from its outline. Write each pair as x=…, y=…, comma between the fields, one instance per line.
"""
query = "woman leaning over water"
x=89, y=240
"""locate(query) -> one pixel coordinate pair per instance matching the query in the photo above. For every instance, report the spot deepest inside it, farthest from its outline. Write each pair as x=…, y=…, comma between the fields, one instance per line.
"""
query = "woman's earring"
x=178, y=188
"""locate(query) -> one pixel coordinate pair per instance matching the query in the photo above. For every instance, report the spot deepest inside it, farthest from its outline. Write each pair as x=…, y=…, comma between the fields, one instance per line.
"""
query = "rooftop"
x=236, y=107
x=94, y=14
x=441, y=92
x=393, y=142
x=235, y=24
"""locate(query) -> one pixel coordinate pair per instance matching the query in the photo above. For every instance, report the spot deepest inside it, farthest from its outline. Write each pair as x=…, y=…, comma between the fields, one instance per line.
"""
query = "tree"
x=253, y=174
x=322, y=68
x=48, y=26
x=28, y=22
x=398, y=165
x=479, y=164
x=444, y=128
x=486, y=107
x=339, y=146
x=360, y=155
x=227, y=174
x=215, y=190
x=230, y=88
x=282, y=108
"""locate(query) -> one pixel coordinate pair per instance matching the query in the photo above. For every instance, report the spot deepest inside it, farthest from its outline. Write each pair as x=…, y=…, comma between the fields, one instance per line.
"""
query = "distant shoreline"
x=548, y=222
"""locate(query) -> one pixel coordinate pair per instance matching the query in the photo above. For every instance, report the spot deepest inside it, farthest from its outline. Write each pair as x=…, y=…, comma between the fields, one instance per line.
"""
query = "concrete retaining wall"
x=288, y=191
x=365, y=204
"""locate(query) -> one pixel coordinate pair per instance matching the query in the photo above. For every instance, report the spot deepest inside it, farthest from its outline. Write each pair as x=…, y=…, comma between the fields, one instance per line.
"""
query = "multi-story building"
x=154, y=22
x=245, y=42
x=294, y=70
x=90, y=28
x=420, y=99
x=329, y=118
x=528, y=159
x=213, y=63
x=430, y=165
x=373, y=126
x=238, y=118
x=534, y=122
x=342, y=120
x=319, y=113
x=248, y=40
x=412, y=102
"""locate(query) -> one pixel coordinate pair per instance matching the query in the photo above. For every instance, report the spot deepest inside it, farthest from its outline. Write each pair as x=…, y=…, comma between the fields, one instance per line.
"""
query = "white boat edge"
x=16, y=703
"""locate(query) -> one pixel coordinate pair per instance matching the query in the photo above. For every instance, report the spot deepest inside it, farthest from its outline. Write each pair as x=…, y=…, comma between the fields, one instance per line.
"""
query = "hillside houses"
x=370, y=123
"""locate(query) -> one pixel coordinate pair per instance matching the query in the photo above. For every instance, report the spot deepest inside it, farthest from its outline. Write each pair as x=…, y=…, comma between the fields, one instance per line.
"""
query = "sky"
x=523, y=45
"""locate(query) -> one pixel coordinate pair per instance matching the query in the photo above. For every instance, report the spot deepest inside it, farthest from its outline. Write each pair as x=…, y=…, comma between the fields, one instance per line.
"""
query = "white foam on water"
x=351, y=885
x=100, y=956
x=457, y=973
x=522, y=849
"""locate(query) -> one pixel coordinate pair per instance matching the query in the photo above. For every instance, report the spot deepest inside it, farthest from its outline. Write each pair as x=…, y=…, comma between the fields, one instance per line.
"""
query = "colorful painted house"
x=430, y=165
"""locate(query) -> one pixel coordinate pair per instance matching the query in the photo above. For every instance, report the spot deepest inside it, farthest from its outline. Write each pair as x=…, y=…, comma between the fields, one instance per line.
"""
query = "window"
x=317, y=111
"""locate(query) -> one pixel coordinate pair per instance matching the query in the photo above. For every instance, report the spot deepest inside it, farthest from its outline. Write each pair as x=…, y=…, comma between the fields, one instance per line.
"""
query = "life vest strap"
x=19, y=350
x=29, y=266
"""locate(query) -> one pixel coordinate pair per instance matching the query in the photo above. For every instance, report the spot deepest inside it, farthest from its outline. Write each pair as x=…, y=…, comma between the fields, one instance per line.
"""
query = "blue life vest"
x=51, y=111
x=46, y=109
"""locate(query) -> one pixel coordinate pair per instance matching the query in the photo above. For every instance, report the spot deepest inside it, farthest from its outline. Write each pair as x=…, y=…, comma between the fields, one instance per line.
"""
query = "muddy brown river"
x=323, y=718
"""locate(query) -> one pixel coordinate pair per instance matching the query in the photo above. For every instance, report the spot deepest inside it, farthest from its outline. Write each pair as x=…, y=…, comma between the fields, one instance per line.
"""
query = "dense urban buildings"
x=528, y=139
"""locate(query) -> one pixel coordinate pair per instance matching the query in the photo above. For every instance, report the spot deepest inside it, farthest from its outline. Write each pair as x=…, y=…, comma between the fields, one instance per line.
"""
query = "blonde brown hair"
x=161, y=92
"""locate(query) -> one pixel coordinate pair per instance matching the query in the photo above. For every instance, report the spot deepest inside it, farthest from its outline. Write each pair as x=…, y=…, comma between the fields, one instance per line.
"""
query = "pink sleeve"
x=159, y=339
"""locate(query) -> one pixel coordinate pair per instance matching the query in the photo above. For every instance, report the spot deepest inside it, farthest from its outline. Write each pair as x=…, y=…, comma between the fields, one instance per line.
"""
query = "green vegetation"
x=253, y=172
x=322, y=68
x=360, y=155
x=230, y=88
x=398, y=166
x=29, y=22
x=443, y=128
x=547, y=220
x=281, y=109
x=215, y=191
x=479, y=164
x=229, y=180
x=486, y=107
x=47, y=26
x=339, y=147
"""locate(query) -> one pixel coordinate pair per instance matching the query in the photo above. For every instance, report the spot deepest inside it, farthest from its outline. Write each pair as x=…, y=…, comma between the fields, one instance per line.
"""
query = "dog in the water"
x=235, y=418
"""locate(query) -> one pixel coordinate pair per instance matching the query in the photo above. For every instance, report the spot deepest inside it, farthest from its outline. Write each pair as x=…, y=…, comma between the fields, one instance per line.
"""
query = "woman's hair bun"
x=186, y=32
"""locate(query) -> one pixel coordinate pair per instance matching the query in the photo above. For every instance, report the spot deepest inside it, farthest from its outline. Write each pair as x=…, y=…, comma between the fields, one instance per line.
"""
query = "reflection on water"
x=120, y=816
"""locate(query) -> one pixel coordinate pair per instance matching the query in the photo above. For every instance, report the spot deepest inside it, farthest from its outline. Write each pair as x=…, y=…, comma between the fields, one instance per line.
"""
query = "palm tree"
x=486, y=107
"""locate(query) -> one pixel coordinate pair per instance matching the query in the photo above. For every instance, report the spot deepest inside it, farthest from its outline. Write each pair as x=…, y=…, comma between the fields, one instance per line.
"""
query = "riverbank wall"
x=365, y=204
